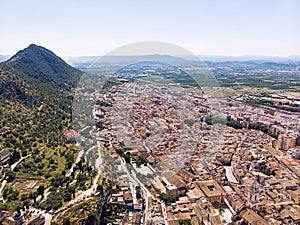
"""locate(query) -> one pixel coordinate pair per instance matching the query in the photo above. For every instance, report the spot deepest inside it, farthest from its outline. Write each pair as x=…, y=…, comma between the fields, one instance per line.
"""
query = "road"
x=229, y=206
x=12, y=167
x=163, y=206
x=79, y=156
x=145, y=146
x=133, y=192
x=137, y=182
x=229, y=174
x=88, y=193
x=84, y=129
x=48, y=216
x=4, y=182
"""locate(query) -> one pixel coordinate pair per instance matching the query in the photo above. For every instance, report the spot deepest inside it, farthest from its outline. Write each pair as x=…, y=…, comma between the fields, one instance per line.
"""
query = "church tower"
x=253, y=196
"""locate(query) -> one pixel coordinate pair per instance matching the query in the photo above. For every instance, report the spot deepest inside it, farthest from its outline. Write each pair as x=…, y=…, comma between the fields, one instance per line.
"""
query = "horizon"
x=268, y=28
x=121, y=55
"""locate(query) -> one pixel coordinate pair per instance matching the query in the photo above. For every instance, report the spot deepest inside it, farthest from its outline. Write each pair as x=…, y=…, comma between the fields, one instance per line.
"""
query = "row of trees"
x=229, y=122
x=258, y=126
x=237, y=125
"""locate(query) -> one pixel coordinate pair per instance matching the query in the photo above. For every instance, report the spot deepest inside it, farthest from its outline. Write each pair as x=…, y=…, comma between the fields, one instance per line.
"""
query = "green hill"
x=35, y=100
x=39, y=63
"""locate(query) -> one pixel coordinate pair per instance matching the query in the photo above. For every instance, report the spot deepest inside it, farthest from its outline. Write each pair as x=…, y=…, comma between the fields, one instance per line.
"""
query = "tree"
x=127, y=157
x=262, y=214
x=80, y=166
x=92, y=175
x=120, y=151
x=72, y=190
x=18, y=207
x=141, y=160
x=66, y=221
x=184, y=222
x=257, y=126
x=234, y=123
x=138, y=194
x=41, y=190
x=33, y=196
x=26, y=204
x=15, y=195
x=10, y=176
x=15, y=156
x=92, y=219
x=67, y=196
x=100, y=189
x=167, y=198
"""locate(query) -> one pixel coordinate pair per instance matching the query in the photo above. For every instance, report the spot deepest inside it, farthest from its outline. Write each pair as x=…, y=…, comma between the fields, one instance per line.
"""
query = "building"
x=128, y=199
x=4, y=157
x=253, y=196
x=276, y=129
x=295, y=152
x=186, y=176
x=176, y=181
x=286, y=141
x=298, y=140
x=172, y=190
x=4, y=215
x=7, y=218
x=72, y=136
x=212, y=190
x=194, y=194
x=18, y=219
x=138, y=207
x=252, y=218
x=136, y=218
x=8, y=221
x=36, y=220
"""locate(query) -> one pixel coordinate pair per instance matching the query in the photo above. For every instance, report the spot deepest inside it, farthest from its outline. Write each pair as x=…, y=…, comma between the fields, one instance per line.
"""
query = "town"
x=152, y=144
x=182, y=164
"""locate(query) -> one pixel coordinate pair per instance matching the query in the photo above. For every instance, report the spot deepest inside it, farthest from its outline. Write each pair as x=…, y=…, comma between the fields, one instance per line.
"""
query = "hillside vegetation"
x=35, y=109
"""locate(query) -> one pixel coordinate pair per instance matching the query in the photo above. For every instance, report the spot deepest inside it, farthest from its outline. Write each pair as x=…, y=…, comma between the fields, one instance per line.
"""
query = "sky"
x=95, y=27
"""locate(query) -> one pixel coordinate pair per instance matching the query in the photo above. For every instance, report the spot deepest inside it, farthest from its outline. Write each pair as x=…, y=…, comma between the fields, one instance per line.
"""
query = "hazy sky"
x=78, y=27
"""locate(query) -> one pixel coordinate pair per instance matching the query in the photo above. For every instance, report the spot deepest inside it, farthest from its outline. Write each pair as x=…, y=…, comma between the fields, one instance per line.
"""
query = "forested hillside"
x=35, y=100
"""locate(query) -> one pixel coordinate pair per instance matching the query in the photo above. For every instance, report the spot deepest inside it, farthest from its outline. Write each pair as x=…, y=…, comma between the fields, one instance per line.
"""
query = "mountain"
x=82, y=62
x=252, y=65
x=40, y=63
x=253, y=58
x=88, y=62
x=35, y=99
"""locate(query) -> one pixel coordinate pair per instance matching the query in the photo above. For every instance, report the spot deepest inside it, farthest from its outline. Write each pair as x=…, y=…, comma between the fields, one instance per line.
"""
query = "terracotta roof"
x=173, y=222
x=71, y=134
x=177, y=181
x=211, y=188
x=4, y=153
x=252, y=218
